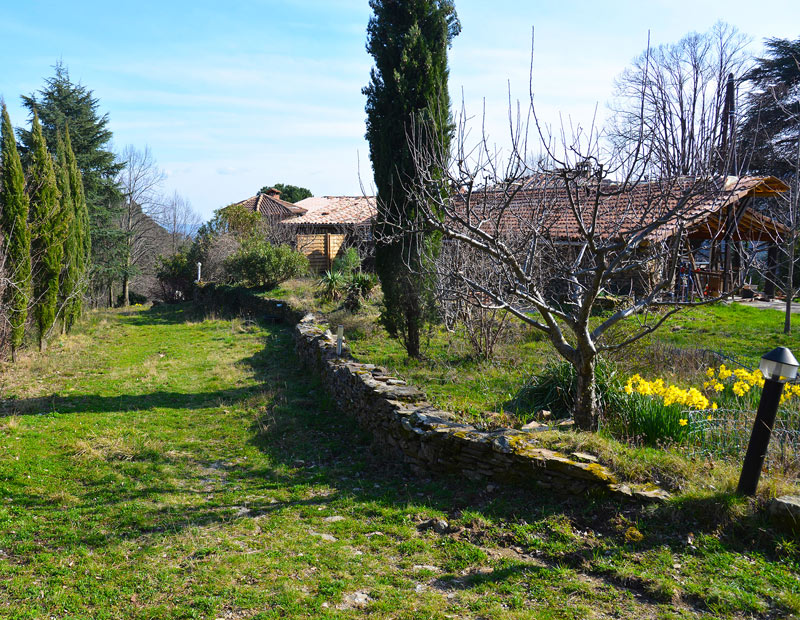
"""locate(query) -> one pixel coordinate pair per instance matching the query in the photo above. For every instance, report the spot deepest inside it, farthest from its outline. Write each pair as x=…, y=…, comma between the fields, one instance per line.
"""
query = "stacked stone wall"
x=408, y=427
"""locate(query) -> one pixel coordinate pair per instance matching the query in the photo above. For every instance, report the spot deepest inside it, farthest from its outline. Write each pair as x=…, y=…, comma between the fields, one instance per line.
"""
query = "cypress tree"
x=82, y=233
x=66, y=218
x=14, y=227
x=58, y=103
x=408, y=84
x=46, y=242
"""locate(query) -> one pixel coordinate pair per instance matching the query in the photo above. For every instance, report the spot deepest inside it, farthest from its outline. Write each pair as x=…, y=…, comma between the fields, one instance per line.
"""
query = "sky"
x=231, y=96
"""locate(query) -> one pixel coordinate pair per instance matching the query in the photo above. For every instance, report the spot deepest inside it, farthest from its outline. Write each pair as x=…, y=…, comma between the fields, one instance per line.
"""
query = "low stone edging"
x=404, y=423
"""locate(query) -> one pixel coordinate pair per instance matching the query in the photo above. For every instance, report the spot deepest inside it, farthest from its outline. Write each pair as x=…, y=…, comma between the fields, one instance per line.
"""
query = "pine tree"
x=770, y=133
x=14, y=228
x=408, y=40
x=69, y=269
x=81, y=233
x=46, y=232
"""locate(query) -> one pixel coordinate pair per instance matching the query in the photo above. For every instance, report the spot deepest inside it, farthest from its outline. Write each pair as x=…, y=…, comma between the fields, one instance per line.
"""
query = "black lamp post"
x=778, y=366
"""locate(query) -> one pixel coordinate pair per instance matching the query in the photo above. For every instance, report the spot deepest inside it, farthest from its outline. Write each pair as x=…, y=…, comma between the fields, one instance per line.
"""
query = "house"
x=329, y=224
x=706, y=221
x=270, y=205
x=320, y=227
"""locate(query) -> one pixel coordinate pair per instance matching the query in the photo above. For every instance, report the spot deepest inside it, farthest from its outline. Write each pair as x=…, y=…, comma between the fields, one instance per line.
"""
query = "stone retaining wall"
x=402, y=421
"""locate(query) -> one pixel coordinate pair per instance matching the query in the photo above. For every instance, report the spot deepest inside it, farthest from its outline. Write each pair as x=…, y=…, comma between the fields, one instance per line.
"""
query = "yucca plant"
x=332, y=284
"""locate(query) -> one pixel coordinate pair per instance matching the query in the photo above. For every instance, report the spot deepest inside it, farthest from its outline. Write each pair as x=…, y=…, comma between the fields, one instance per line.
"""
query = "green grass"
x=736, y=329
x=155, y=465
x=497, y=392
x=483, y=391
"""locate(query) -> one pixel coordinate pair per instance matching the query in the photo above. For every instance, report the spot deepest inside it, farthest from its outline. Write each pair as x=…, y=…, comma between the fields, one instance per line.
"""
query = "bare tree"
x=578, y=224
x=679, y=101
x=139, y=182
x=460, y=305
x=177, y=217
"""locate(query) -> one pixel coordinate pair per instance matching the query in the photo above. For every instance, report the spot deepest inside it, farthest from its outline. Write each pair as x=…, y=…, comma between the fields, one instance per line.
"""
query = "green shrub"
x=175, y=276
x=359, y=289
x=348, y=262
x=259, y=263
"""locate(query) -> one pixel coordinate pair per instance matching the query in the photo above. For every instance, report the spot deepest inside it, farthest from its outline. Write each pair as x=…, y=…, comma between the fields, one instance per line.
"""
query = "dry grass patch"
x=9, y=424
x=62, y=498
x=119, y=446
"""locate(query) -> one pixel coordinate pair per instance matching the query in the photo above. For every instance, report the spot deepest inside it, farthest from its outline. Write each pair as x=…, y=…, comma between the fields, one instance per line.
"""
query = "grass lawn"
x=455, y=380
x=681, y=351
x=154, y=465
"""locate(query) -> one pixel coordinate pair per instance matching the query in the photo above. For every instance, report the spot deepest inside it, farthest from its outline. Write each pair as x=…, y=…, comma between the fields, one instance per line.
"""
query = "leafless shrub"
x=461, y=306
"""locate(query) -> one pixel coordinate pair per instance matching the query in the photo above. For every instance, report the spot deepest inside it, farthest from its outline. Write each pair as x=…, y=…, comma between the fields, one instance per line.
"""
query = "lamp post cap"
x=781, y=355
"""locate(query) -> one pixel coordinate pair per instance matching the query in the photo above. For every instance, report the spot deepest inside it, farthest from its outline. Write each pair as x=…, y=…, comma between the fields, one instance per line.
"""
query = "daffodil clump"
x=741, y=383
x=657, y=413
x=691, y=398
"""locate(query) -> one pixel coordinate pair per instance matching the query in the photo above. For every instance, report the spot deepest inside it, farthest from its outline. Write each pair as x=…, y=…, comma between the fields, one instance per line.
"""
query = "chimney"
x=273, y=193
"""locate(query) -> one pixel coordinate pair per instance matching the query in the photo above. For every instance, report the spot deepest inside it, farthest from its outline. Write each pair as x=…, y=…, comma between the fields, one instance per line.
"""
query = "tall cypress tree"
x=408, y=84
x=81, y=232
x=69, y=268
x=46, y=232
x=14, y=227
x=58, y=103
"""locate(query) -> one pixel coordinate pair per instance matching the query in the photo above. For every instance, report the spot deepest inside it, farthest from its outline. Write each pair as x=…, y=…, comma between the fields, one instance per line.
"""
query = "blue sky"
x=232, y=96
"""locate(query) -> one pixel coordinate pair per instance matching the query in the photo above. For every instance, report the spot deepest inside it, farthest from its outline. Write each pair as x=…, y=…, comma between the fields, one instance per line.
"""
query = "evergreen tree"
x=61, y=102
x=46, y=232
x=81, y=233
x=14, y=228
x=289, y=193
x=771, y=129
x=69, y=267
x=408, y=84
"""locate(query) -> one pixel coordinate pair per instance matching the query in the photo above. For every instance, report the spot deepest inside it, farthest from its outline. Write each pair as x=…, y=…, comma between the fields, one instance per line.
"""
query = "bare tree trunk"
x=125, y=291
x=13, y=354
x=412, y=337
x=110, y=294
x=586, y=407
x=787, y=321
x=772, y=264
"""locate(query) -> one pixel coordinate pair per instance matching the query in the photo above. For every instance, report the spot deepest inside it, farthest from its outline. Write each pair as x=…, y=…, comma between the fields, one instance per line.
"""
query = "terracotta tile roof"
x=336, y=210
x=270, y=205
x=542, y=203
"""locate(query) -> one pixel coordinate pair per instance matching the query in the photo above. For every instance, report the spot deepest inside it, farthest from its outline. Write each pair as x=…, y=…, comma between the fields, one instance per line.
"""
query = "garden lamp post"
x=778, y=366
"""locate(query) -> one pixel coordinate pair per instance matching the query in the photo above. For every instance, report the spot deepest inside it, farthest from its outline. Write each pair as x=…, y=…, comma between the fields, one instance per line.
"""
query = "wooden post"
x=327, y=250
x=727, y=276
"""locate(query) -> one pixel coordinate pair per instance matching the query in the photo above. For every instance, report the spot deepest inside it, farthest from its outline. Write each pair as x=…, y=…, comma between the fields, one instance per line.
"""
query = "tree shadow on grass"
x=163, y=314
x=75, y=405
